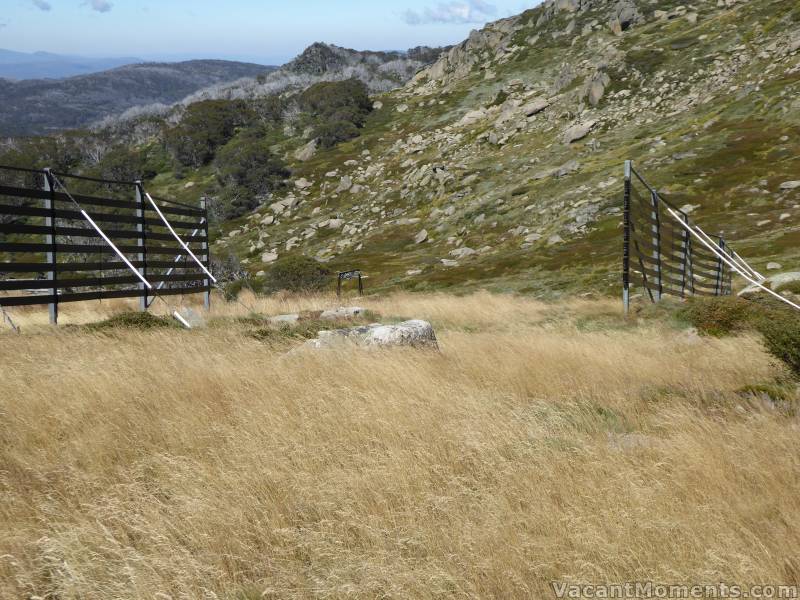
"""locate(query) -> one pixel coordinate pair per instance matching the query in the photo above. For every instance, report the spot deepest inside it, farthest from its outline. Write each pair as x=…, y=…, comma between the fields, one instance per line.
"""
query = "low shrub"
x=778, y=324
x=133, y=320
x=297, y=273
x=780, y=329
x=232, y=289
x=718, y=316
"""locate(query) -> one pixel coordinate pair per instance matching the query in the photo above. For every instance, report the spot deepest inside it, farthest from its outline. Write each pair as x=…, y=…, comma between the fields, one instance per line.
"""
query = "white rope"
x=727, y=261
x=741, y=263
x=758, y=275
x=177, y=237
x=178, y=317
x=115, y=249
x=100, y=231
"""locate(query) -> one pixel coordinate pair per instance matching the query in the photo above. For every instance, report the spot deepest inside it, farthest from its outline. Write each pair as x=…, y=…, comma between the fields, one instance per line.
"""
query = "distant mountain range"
x=41, y=106
x=46, y=65
x=45, y=106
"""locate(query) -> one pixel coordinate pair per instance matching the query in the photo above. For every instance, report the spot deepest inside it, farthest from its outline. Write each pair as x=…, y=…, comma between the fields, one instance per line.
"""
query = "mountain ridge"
x=48, y=65
x=39, y=106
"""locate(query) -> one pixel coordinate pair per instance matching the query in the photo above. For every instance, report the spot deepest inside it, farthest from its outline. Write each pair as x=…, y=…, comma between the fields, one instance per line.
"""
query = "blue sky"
x=265, y=31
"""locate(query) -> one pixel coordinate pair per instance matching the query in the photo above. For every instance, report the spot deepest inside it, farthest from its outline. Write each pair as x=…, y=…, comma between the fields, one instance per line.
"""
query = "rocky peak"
x=318, y=59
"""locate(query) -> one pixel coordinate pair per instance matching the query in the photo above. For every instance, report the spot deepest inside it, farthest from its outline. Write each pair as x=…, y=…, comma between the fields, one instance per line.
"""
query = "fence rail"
x=50, y=253
x=660, y=255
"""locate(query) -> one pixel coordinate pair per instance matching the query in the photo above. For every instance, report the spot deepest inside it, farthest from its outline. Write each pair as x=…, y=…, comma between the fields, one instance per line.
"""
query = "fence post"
x=50, y=240
x=204, y=247
x=360, y=285
x=656, y=228
x=688, y=266
x=721, y=269
x=626, y=244
x=141, y=229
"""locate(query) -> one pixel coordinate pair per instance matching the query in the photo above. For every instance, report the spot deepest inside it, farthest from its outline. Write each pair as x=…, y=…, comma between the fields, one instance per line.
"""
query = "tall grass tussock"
x=543, y=443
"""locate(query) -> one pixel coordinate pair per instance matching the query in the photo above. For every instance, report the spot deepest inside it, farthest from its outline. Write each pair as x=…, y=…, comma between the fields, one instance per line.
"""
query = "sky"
x=263, y=31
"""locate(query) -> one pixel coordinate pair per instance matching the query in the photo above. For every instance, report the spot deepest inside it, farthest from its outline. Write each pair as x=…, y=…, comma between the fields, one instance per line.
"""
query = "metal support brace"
x=204, y=247
x=141, y=228
x=50, y=240
x=720, y=269
x=626, y=244
x=656, y=229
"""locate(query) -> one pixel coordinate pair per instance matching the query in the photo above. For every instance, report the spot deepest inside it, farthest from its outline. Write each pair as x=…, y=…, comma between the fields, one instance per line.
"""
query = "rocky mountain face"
x=41, y=106
x=500, y=164
x=381, y=71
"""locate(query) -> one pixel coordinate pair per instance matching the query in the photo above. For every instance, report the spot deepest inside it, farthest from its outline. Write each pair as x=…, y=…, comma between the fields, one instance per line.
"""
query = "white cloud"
x=101, y=5
x=41, y=5
x=470, y=11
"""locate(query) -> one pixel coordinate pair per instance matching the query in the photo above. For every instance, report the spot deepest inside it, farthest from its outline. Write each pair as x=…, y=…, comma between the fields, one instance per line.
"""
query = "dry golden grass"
x=543, y=443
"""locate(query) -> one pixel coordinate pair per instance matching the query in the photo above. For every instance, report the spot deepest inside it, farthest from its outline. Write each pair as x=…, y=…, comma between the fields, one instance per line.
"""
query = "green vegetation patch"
x=142, y=321
x=777, y=324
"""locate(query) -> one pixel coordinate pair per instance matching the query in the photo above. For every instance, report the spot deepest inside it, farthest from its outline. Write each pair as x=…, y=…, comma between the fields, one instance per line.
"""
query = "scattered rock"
x=345, y=183
x=790, y=185
x=402, y=108
x=343, y=312
x=773, y=266
x=534, y=107
x=462, y=252
x=302, y=183
x=307, y=152
x=567, y=168
x=774, y=282
x=290, y=319
x=578, y=131
x=472, y=117
x=415, y=334
x=421, y=237
x=269, y=257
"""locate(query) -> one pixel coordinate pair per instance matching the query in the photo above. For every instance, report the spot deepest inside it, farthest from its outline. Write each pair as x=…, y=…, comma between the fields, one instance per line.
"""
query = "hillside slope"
x=501, y=164
x=40, y=106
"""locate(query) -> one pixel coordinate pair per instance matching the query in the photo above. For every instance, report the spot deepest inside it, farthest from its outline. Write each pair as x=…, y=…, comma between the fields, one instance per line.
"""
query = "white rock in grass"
x=290, y=319
x=790, y=185
x=774, y=282
x=269, y=257
x=343, y=312
x=773, y=266
x=415, y=333
x=462, y=252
